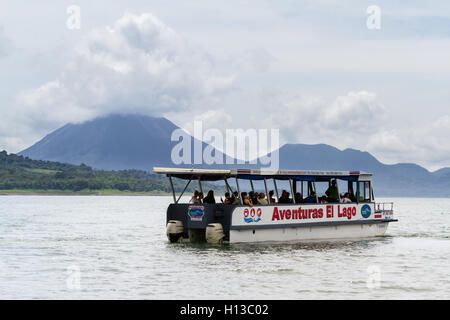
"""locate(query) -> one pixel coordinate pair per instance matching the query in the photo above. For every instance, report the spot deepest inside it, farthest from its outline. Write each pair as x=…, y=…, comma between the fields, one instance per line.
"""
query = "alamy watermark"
x=237, y=146
x=374, y=19
x=73, y=280
x=373, y=277
x=73, y=21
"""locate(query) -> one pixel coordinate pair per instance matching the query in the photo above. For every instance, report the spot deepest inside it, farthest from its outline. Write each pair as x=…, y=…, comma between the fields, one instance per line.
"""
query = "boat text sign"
x=286, y=214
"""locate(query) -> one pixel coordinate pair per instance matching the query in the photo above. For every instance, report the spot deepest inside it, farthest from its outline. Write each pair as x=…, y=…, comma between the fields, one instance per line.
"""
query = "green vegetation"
x=22, y=175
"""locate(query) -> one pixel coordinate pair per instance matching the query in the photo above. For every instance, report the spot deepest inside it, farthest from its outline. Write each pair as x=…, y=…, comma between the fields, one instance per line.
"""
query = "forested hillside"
x=21, y=173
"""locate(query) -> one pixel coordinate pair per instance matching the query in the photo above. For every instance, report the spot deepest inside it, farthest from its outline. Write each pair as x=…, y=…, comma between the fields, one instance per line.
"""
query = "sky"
x=319, y=71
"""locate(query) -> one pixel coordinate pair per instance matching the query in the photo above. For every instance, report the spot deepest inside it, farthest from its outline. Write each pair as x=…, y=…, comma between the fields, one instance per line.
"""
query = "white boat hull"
x=308, y=222
x=290, y=234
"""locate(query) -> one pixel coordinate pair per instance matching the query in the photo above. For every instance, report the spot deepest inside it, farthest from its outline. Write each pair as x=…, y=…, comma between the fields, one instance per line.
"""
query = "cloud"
x=428, y=144
x=137, y=65
x=345, y=121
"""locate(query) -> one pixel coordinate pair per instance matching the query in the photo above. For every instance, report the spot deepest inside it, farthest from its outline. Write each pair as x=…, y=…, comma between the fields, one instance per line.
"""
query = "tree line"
x=18, y=172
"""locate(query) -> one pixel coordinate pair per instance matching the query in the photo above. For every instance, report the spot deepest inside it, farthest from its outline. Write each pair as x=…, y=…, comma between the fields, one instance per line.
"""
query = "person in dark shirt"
x=271, y=198
x=332, y=192
x=311, y=198
x=228, y=199
x=209, y=197
x=253, y=196
x=284, y=197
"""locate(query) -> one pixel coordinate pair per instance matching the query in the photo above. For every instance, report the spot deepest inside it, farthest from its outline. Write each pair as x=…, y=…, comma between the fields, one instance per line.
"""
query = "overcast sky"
x=313, y=69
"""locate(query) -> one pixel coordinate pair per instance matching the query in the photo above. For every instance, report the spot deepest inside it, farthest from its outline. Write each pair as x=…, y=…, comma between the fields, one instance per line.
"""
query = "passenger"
x=210, y=197
x=289, y=200
x=194, y=197
x=246, y=200
x=253, y=196
x=332, y=192
x=323, y=199
x=228, y=199
x=199, y=199
x=262, y=198
x=346, y=198
x=298, y=197
x=271, y=198
x=285, y=197
x=235, y=198
x=311, y=198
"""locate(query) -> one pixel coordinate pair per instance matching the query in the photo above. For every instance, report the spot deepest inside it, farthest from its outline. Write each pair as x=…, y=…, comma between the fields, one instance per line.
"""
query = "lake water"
x=115, y=247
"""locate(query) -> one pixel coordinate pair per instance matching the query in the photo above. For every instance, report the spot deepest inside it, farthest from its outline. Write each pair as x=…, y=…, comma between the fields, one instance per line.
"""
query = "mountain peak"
x=115, y=141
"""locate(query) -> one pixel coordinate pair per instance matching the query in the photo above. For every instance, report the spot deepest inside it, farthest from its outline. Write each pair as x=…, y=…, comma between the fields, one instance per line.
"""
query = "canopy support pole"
x=267, y=193
x=292, y=190
x=251, y=184
x=239, y=191
x=200, y=185
x=276, y=188
x=314, y=187
x=183, y=190
x=339, y=194
x=228, y=186
x=173, y=190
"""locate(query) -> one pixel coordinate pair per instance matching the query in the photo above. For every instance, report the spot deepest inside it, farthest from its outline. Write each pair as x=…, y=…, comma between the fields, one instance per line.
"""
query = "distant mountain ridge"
x=118, y=142
x=402, y=179
x=114, y=142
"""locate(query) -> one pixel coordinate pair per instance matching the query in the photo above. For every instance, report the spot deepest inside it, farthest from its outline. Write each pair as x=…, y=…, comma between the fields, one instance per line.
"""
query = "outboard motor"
x=214, y=233
x=175, y=230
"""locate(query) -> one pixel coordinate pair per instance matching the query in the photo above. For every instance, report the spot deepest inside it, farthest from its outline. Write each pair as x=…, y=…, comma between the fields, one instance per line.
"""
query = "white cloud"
x=428, y=144
x=137, y=65
x=345, y=121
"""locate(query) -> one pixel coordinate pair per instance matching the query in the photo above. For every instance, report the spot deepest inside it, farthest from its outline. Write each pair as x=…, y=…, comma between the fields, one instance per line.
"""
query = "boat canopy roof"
x=251, y=174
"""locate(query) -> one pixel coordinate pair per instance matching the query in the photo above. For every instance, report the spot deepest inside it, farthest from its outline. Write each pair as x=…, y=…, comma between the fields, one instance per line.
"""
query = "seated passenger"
x=311, y=198
x=228, y=199
x=253, y=196
x=246, y=200
x=210, y=197
x=284, y=197
x=332, y=192
x=288, y=199
x=262, y=198
x=194, y=197
x=346, y=198
x=271, y=198
x=298, y=197
x=235, y=198
x=199, y=198
x=323, y=199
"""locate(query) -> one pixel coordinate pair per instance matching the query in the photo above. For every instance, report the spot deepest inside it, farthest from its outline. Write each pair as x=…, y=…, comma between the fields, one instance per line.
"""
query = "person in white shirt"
x=346, y=198
x=194, y=198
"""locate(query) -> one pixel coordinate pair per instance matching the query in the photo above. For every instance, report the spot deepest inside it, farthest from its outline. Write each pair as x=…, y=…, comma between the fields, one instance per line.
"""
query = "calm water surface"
x=114, y=247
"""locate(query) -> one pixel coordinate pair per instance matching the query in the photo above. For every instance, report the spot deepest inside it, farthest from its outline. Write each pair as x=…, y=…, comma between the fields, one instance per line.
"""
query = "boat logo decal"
x=252, y=215
x=366, y=211
x=196, y=213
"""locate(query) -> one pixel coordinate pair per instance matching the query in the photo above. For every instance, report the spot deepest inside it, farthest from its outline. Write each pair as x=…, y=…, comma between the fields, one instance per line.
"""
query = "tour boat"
x=359, y=216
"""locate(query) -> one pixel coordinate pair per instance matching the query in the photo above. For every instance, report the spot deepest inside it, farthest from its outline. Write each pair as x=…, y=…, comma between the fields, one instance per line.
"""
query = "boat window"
x=352, y=189
x=364, y=191
x=327, y=191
